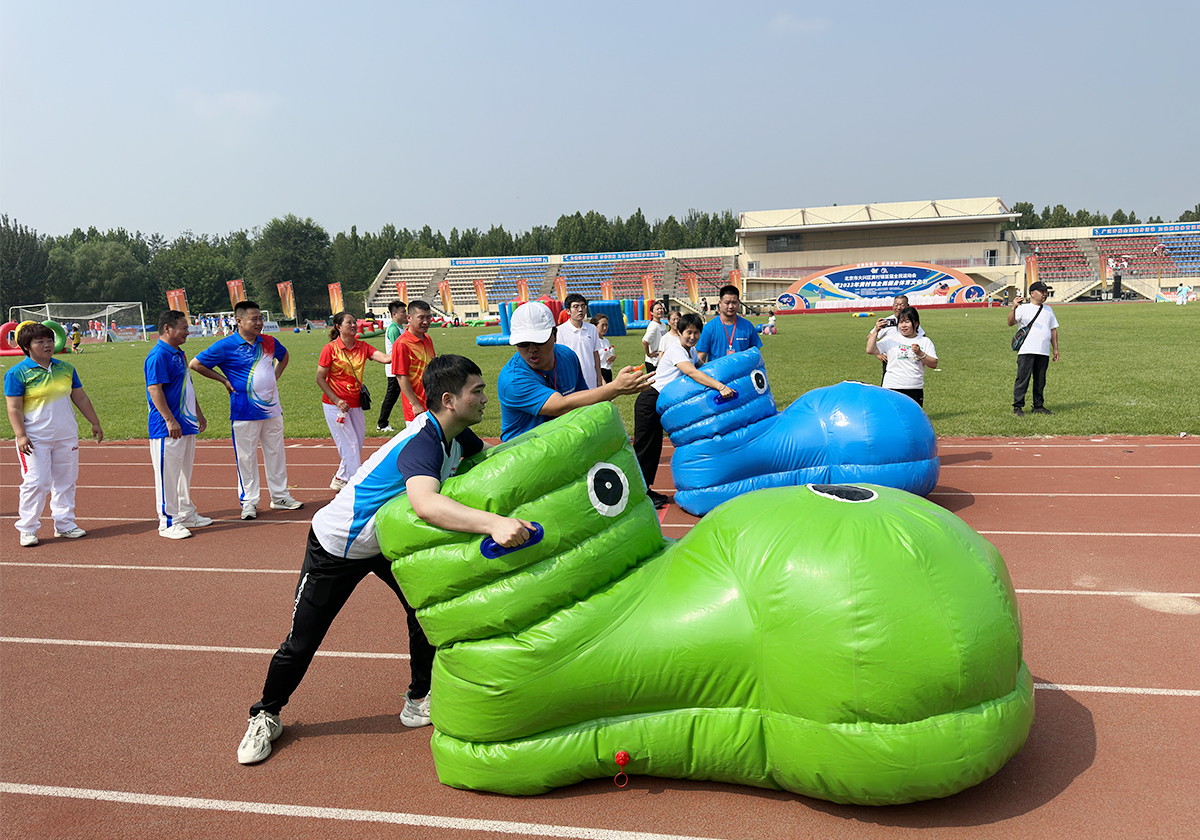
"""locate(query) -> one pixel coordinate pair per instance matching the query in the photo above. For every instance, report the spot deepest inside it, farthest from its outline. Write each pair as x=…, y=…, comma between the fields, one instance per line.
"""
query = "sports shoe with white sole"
x=256, y=745
x=415, y=712
x=249, y=512
x=386, y=429
x=195, y=521
x=28, y=539
x=286, y=503
x=337, y=484
x=175, y=532
x=73, y=534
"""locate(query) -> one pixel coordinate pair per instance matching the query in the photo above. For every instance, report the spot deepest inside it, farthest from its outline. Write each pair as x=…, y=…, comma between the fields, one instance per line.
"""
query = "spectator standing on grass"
x=250, y=365
x=607, y=353
x=398, y=313
x=1033, y=359
x=340, y=371
x=728, y=332
x=899, y=302
x=410, y=354
x=582, y=338
x=39, y=393
x=343, y=547
x=907, y=353
x=652, y=340
x=175, y=420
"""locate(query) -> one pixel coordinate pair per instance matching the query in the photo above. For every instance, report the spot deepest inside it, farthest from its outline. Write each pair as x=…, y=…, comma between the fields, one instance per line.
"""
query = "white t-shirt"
x=886, y=331
x=606, y=354
x=653, y=339
x=667, y=371
x=585, y=341
x=1037, y=343
x=669, y=338
x=904, y=370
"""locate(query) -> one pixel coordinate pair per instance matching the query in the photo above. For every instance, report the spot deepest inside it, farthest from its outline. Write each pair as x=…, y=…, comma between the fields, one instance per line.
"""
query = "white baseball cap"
x=532, y=322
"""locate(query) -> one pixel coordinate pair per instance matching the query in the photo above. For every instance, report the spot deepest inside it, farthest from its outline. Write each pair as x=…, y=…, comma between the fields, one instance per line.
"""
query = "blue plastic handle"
x=718, y=399
x=490, y=549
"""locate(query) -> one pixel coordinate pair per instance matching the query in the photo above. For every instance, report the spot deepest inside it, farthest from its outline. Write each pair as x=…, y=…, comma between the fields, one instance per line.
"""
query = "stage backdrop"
x=875, y=284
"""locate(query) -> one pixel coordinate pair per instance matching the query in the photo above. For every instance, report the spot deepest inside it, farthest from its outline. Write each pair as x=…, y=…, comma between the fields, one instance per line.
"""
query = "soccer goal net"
x=110, y=321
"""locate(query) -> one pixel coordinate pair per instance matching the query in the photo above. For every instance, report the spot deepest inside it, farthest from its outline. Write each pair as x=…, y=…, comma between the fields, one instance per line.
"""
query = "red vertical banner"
x=237, y=292
x=1031, y=270
x=735, y=279
x=481, y=293
x=402, y=291
x=606, y=291
x=693, y=287
x=287, y=300
x=335, y=298
x=447, y=298
x=522, y=290
x=177, y=300
x=560, y=288
x=648, y=287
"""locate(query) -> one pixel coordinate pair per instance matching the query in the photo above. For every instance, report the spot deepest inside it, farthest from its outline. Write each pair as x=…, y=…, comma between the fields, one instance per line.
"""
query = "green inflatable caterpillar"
x=852, y=643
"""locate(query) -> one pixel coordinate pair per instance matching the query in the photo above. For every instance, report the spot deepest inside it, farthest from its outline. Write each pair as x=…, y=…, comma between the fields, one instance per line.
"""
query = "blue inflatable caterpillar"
x=842, y=434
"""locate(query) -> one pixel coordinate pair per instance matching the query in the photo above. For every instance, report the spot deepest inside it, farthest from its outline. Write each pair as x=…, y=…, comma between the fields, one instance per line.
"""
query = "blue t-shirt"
x=523, y=391
x=717, y=340
x=346, y=526
x=250, y=369
x=167, y=366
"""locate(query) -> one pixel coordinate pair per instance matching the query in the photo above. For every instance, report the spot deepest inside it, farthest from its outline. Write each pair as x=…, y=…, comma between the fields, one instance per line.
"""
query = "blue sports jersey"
x=167, y=366
x=523, y=391
x=346, y=526
x=717, y=340
x=48, y=411
x=250, y=368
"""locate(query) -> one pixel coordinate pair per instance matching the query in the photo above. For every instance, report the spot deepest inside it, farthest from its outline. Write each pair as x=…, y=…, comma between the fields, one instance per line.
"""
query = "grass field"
x=1125, y=369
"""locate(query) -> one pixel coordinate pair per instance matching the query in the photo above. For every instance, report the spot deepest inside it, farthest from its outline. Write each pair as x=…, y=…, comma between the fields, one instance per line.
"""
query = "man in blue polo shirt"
x=175, y=420
x=251, y=364
x=728, y=332
x=544, y=380
x=343, y=547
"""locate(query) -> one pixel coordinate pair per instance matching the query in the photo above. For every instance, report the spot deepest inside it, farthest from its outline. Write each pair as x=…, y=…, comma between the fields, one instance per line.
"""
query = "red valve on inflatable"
x=622, y=758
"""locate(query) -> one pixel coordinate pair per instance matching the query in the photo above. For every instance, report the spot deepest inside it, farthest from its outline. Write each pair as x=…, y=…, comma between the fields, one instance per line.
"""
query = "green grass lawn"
x=1125, y=369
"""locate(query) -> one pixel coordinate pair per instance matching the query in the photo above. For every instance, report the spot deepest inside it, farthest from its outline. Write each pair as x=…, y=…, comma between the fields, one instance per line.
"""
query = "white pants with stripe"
x=248, y=435
x=52, y=468
x=173, y=459
x=348, y=437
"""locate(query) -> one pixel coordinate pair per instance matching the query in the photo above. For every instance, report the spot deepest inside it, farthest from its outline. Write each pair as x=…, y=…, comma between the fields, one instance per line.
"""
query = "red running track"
x=128, y=663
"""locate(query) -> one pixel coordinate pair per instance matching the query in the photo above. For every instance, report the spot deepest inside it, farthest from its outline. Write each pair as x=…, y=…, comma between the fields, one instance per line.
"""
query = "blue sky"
x=214, y=117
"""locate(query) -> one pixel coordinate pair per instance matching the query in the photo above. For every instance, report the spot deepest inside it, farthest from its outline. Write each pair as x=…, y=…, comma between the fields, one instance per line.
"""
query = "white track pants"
x=348, y=437
x=248, y=435
x=173, y=459
x=52, y=468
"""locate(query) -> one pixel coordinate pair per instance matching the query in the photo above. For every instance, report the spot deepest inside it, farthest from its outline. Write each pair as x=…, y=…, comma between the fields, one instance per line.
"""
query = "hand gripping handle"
x=490, y=549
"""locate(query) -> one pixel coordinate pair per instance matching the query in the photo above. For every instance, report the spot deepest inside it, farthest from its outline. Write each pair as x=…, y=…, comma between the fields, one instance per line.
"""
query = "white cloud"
x=792, y=25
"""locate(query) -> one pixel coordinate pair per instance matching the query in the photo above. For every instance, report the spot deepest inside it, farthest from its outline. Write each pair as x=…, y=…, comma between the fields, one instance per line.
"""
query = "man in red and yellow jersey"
x=410, y=354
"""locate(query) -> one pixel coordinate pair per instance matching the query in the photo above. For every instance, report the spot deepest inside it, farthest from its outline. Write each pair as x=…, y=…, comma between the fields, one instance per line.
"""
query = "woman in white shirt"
x=908, y=354
x=652, y=340
x=671, y=336
x=607, y=353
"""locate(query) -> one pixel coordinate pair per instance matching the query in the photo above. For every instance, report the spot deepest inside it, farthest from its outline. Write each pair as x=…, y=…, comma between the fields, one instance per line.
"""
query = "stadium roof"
x=899, y=213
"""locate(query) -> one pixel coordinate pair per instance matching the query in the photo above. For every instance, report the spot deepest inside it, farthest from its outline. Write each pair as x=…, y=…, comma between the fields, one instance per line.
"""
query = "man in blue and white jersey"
x=251, y=364
x=343, y=548
x=175, y=420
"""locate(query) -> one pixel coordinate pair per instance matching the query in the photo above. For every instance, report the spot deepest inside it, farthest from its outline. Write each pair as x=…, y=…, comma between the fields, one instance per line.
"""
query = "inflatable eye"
x=760, y=381
x=607, y=488
x=844, y=492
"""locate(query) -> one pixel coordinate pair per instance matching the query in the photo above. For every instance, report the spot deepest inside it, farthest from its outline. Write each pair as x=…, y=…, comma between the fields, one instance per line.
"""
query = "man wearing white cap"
x=544, y=380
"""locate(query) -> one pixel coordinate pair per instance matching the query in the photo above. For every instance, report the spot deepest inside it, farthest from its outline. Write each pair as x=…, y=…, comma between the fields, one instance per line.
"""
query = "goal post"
x=124, y=321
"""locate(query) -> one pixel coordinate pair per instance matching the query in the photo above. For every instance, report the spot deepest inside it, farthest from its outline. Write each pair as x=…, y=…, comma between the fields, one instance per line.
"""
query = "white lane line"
x=1120, y=689
x=1114, y=593
x=153, y=568
x=154, y=522
x=1114, y=467
x=1061, y=495
x=341, y=814
x=343, y=654
x=1084, y=534
x=1085, y=445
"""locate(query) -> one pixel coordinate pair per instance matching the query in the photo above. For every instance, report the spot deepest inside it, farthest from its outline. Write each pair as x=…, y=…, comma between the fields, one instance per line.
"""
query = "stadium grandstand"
x=776, y=248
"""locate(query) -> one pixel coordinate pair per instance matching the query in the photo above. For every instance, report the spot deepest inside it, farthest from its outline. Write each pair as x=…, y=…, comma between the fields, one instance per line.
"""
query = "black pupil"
x=760, y=381
x=844, y=491
x=607, y=485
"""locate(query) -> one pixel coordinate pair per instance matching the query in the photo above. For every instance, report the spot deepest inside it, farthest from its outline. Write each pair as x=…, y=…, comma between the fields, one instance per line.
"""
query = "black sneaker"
x=1042, y=411
x=1019, y=411
x=660, y=501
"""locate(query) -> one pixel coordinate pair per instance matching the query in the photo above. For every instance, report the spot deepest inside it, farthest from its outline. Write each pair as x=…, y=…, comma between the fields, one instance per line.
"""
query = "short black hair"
x=31, y=333
x=910, y=313
x=397, y=306
x=243, y=307
x=689, y=319
x=574, y=297
x=420, y=304
x=729, y=290
x=169, y=319
x=446, y=375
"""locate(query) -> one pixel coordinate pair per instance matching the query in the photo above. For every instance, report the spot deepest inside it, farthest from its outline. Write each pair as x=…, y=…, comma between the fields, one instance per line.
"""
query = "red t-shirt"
x=410, y=355
x=345, y=369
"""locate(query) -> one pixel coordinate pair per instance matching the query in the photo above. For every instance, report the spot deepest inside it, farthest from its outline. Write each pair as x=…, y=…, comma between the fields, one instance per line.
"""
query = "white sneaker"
x=337, y=484
x=28, y=539
x=286, y=503
x=249, y=511
x=386, y=429
x=195, y=521
x=73, y=534
x=175, y=532
x=256, y=745
x=415, y=712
